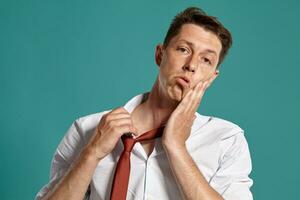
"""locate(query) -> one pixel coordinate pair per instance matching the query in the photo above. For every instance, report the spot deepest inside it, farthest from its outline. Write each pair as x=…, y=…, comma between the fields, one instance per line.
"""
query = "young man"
x=197, y=157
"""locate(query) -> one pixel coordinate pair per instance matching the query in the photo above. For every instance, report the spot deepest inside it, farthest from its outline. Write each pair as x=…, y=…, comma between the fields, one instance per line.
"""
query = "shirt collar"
x=134, y=102
x=198, y=122
x=138, y=150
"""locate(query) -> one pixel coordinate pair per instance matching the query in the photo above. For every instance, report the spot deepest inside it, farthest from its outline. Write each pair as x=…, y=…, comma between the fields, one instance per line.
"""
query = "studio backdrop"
x=61, y=60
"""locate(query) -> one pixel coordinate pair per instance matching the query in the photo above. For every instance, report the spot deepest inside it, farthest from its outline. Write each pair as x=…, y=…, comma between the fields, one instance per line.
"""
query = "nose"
x=191, y=64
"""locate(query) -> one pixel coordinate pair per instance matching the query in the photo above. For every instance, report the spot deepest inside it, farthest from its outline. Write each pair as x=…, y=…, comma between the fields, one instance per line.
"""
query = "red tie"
x=121, y=177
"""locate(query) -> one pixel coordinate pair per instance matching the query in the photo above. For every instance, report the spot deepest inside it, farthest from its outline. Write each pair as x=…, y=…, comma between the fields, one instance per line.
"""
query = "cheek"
x=173, y=62
x=204, y=74
x=164, y=60
x=199, y=77
x=210, y=74
x=163, y=79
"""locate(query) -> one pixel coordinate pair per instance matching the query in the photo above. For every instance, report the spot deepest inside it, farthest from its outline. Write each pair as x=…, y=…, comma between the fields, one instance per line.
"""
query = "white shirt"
x=217, y=146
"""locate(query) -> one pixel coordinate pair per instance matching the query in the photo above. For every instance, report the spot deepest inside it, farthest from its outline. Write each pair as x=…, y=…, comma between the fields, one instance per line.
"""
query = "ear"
x=158, y=54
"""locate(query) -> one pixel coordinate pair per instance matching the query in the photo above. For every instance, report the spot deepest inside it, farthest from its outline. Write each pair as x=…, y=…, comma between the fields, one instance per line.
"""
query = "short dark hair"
x=197, y=16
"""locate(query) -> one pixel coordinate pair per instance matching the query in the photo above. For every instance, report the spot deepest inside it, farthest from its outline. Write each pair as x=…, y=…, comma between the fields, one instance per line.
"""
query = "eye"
x=182, y=49
x=206, y=60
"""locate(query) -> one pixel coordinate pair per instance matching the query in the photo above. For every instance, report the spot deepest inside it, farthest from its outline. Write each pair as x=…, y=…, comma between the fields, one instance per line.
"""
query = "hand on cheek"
x=179, y=124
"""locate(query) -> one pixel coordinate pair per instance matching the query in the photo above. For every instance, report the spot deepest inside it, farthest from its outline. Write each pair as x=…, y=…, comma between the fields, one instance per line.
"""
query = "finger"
x=125, y=129
x=119, y=110
x=196, y=98
x=120, y=122
x=197, y=85
x=184, y=103
x=198, y=93
x=197, y=90
x=124, y=122
x=114, y=116
x=127, y=116
x=191, y=101
x=206, y=85
x=212, y=78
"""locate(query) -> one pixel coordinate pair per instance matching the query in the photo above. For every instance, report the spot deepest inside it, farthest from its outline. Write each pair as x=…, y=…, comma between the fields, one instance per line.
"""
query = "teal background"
x=60, y=60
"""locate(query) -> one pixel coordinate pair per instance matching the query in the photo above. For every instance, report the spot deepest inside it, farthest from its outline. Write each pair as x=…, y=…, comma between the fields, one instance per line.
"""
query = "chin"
x=176, y=94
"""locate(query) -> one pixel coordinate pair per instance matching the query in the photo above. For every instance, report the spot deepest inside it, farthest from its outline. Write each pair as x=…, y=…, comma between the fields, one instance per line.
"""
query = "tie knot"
x=129, y=141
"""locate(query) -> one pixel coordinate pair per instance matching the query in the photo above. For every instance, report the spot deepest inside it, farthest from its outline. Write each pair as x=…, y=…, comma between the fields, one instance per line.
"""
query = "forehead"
x=198, y=37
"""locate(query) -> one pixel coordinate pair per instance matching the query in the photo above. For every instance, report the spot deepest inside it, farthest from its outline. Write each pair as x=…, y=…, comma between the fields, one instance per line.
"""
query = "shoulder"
x=214, y=123
x=229, y=134
x=90, y=121
x=216, y=129
x=79, y=133
x=224, y=124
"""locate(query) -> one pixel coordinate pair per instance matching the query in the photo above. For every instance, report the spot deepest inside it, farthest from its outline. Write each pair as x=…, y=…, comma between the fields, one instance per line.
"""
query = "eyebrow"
x=192, y=44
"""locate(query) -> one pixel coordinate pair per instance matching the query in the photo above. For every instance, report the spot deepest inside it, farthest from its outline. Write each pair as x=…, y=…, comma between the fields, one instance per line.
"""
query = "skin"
x=182, y=58
x=189, y=58
x=186, y=54
x=178, y=58
x=170, y=101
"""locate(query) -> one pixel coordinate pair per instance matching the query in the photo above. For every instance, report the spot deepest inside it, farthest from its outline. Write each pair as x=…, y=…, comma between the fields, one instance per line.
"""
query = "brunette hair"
x=197, y=16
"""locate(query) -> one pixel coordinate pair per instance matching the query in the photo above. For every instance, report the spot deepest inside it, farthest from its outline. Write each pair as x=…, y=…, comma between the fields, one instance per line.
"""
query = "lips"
x=183, y=80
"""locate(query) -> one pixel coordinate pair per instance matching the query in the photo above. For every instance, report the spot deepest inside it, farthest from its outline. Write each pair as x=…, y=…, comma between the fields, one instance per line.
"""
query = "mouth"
x=184, y=81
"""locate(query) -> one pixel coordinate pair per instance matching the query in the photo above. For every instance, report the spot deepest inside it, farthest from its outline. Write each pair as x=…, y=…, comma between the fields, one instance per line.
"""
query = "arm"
x=71, y=181
x=189, y=178
x=232, y=179
x=192, y=183
x=76, y=181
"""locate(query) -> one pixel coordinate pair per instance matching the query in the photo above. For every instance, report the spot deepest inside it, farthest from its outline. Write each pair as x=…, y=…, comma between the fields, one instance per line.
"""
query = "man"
x=197, y=157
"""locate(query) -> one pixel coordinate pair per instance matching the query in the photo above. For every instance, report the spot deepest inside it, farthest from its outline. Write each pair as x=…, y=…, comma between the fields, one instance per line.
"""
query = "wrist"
x=90, y=154
x=174, y=147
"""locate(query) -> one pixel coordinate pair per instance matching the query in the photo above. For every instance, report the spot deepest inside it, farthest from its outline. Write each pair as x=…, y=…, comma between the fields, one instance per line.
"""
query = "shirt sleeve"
x=232, y=179
x=66, y=152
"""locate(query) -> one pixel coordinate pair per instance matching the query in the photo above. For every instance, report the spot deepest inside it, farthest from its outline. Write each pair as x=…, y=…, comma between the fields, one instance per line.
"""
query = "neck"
x=158, y=106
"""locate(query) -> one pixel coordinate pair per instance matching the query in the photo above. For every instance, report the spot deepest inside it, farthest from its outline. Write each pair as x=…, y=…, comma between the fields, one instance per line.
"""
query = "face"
x=192, y=54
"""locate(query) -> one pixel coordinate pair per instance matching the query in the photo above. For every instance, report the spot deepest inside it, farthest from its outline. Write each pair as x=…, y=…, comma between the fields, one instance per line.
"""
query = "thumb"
x=134, y=131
